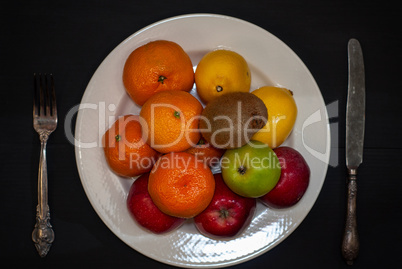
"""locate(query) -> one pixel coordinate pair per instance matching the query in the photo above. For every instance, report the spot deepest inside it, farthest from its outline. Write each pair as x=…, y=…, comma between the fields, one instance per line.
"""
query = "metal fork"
x=44, y=122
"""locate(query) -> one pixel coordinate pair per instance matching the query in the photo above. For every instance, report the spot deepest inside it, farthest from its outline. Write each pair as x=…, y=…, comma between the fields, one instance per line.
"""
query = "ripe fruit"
x=126, y=152
x=220, y=72
x=252, y=170
x=294, y=180
x=230, y=120
x=282, y=113
x=180, y=185
x=172, y=121
x=206, y=152
x=145, y=212
x=227, y=214
x=157, y=66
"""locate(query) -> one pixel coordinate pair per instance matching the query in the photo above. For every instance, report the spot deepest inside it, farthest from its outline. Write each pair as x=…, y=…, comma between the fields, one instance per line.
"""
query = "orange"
x=172, y=121
x=157, y=66
x=219, y=72
x=126, y=152
x=206, y=152
x=180, y=185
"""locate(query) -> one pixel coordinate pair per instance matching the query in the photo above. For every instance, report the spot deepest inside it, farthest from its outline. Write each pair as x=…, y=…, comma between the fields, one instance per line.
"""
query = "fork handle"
x=43, y=234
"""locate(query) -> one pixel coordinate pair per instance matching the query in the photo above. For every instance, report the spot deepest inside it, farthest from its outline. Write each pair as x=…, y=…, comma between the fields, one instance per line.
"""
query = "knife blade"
x=355, y=109
x=355, y=121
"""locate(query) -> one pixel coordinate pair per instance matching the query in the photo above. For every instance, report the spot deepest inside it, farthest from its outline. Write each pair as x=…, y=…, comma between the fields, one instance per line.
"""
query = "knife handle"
x=350, y=244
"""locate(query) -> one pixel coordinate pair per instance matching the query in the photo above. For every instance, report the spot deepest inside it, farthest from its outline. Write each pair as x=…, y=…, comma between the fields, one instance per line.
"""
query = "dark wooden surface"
x=71, y=38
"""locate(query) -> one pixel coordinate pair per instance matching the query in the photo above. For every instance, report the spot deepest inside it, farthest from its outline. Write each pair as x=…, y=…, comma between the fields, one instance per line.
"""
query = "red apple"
x=227, y=214
x=145, y=212
x=293, y=182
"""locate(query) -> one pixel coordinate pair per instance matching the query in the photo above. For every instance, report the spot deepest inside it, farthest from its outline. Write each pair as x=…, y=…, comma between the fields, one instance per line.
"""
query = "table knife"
x=355, y=118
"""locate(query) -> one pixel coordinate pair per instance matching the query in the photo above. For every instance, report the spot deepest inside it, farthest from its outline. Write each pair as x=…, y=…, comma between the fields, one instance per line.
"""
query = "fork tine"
x=53, y=97
x=47, y=93
x=42, y=103
x=35, y=99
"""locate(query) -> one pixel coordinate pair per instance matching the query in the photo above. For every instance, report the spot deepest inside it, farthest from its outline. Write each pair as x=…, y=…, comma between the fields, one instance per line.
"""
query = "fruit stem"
x=242, y=170
x=223, y=213
x=219, y=88
x=118, y=138
x=161, y=79
x=177, y=114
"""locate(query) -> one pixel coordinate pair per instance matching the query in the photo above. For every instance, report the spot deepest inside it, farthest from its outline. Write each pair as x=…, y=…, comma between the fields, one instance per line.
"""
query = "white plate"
x=271, y=63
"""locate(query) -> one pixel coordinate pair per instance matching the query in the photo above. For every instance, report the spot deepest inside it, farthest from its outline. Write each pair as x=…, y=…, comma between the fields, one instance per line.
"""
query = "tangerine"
x=180, y=185
x=206, y=152
x=172, y=121
x=157, y=66
x=127, y=154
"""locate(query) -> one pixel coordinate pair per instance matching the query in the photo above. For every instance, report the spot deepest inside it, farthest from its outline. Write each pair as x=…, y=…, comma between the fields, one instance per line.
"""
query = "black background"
x=71, y=38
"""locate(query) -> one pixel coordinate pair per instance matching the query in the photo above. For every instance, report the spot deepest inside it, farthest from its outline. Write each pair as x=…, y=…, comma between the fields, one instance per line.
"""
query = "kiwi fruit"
x=229, y=121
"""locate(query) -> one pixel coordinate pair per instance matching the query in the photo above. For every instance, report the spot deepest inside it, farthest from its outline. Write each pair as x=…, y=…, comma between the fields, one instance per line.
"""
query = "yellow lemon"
x=219, y=72
x=282, y=113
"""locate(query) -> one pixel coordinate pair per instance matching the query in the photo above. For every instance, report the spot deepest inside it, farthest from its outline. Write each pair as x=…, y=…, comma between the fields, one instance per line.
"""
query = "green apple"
x=251, y=170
